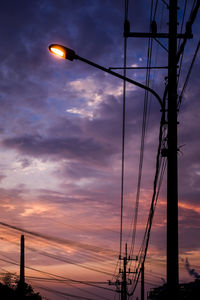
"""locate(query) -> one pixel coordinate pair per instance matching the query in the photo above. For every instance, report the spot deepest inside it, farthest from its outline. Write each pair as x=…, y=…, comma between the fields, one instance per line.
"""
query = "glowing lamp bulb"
x=62, y=51
x=57, y=51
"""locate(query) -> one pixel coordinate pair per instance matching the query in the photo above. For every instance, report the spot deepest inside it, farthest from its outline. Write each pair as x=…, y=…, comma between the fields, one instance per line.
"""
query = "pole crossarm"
x=125, y=281
x=156, y=35
x=121, y=77
x=137, y=68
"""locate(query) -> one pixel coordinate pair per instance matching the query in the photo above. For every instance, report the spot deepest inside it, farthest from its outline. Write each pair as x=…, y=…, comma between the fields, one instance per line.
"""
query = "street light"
x=62, y=51
x=70, y=54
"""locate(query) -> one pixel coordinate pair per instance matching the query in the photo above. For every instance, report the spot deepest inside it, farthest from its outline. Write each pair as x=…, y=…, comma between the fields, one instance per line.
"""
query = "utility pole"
x=123, y=290
x=21, y=285
x=172, y=149
x=172, y=166
x=172, y=173
x=22, y=280
x=124, y=282
x=142, y=281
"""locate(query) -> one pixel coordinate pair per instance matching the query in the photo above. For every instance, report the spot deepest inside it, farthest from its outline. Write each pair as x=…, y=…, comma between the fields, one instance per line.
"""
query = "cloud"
x=61, y=128
x=36, y=146
x=55, y=239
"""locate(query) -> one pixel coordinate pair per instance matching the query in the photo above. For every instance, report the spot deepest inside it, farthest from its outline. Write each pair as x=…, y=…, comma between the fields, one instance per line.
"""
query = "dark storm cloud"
x=81, y=139
x=28, y=73
x=87, y=149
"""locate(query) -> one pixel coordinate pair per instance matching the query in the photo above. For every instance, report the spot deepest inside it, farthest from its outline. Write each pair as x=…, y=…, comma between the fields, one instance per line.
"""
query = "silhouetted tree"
x=12, y=289
x=187, y=291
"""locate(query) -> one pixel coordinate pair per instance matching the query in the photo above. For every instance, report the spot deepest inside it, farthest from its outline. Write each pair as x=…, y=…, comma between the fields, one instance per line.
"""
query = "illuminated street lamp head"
x=62, y=51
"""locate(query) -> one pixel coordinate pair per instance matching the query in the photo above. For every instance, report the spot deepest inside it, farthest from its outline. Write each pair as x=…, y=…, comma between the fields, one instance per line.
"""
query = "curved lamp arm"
x=70, y=54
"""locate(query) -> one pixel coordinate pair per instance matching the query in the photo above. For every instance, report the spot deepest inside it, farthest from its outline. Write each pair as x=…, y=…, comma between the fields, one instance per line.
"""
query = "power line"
x=182, y=22
x=155, y=10
x=123, y=127
x=188, y=74
x=145, y=109
x=66, y=242
x=65, y=280
x=189, y=24
x=144, y=247
x=62, y=293
x=50, y=239
x=53, y=256
x=155, y=195
x=182, y=55
x=147, y=233
x=155, y=198
x=60, y=277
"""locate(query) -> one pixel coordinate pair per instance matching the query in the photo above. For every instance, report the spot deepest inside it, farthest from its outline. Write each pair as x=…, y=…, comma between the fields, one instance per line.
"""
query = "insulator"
x=154, y=27
x=126, y=26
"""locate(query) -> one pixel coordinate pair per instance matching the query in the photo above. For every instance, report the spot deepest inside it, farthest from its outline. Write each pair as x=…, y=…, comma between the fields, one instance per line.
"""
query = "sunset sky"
x=60, y=145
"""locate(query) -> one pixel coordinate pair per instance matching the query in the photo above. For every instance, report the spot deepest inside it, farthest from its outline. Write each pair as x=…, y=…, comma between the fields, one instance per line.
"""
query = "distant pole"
x=172, y=174
x=142, y=281
x=124, y=282
x=22, y=280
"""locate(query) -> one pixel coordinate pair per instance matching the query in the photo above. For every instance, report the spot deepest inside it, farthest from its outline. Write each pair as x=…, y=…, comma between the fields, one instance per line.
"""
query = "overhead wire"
x=70, y=281
x=160, y=165
x=145, y=117
x=123, y=126
x=155, y=10
x=64, y=294
x=167, y=5
x=50, y=240
x=142, y=143
x=155, y=59
x=188, y=74
x=144, y=247
x=69, y=261
x=66, y=280
x=143, y=131
x=181, y=57
x=126, y=8
x=155, y=195
x=188, y=29
x=67, y=242
x=32, y=279
x=182, y=22
x=56, y=278
x=156, y=192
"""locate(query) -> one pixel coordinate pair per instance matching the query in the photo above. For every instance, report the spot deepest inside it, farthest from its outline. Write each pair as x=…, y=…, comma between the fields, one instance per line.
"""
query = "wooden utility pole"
x=124, y=282
x=22, y=276
x=122, y=285
x=172, y=149
x=142, y=281
x=172, y=174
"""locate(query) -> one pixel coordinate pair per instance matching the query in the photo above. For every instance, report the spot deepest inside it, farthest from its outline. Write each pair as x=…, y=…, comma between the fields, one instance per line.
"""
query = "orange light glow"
x=57, y=51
